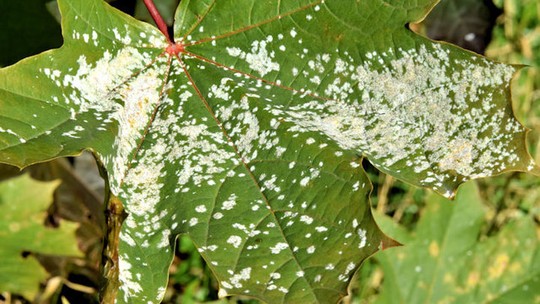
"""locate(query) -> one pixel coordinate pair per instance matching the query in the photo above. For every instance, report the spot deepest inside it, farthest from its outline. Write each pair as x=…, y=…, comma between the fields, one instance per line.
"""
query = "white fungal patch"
x=321, y=229
x=306, y=219
x=350, y=267
x=125, y=39
x=166, y=233
x=417, y=108
x=127, y=239
x=259, y=58
x=229, y=203
x=127, y=282
x=278, y=248
x=98, y=87
x=275, y=275
x=363, y=238
x=236, y=278
x=304, y=181
x=200, y=209
x=234, y=240
x=293, y=33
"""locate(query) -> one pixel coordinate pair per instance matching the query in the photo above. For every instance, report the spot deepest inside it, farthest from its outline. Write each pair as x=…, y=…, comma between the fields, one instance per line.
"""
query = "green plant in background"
x=248, y=133
x=24, y=203
x=444, y=262
x=517, y=40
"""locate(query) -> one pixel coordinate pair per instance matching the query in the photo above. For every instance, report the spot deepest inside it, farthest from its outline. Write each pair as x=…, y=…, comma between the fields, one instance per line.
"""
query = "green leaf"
x=250, y=141
x=446, y=263
x=24, y=204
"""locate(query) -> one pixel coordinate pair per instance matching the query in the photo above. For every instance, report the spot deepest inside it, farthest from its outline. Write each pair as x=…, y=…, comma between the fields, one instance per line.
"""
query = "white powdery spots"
x=125, y=39
x=279, y=247
x=141, y=186
x=350, y=267
x=140, y=99
x=198, y=153
x=165, y=242
x=95, y=83
x=200, y=209
x=127, y=239
x=363, y=238
x=127, y=282
x=293, y=32
x=419, y=108
x=258, y=58
x=234, y=240
x=321, y=229
x=221, y=91
x=229, y=203
x=275, y=275
x=100, y=87
x=161, y=293
x=247, y=127
x=236, y=278
x=459, y=157
x=306, y=219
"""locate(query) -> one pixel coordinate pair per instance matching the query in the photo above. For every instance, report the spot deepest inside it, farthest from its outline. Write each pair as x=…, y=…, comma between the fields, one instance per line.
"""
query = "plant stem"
x=115, y=216
x=162, y=26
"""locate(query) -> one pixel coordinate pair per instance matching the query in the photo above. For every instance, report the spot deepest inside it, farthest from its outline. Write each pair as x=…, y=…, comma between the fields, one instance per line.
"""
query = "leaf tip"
x=388, y=242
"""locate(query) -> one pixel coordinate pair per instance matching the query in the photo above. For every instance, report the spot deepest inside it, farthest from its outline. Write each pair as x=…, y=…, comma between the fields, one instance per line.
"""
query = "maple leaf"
x=248, y=135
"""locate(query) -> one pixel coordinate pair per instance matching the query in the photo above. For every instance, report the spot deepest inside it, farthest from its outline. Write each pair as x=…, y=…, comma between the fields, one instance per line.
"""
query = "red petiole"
x=173, y=48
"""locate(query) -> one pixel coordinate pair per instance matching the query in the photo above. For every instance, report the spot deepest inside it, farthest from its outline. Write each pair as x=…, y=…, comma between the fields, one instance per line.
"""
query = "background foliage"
x=510, y=203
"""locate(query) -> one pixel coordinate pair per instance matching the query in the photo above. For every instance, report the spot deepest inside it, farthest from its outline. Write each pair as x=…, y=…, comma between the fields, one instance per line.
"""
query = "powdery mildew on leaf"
x=127, y=88
x=251, y=140
x=205, y=170
x=405, y=118
x=431, y=115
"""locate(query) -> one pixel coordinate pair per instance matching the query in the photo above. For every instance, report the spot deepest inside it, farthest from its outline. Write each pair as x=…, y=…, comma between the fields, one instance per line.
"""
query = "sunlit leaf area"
x=293, y=151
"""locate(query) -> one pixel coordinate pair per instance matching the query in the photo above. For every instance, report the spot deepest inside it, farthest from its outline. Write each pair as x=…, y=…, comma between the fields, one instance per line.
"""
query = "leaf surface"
x=24, y=203
x=250, y=141
x=444, y=262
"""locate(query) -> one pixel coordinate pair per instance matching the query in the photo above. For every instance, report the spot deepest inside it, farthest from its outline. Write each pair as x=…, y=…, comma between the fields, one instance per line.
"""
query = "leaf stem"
x=115, y=216
x=162, y=26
